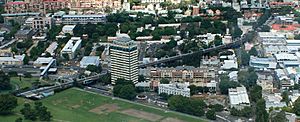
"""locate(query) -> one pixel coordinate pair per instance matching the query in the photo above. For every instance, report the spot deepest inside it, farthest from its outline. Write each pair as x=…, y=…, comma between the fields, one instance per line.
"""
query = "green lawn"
x=74, y=105
x=25, y=82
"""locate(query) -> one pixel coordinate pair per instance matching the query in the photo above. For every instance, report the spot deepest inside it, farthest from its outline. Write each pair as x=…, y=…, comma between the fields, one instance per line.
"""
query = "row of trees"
x=38, y=112
x=187, y=105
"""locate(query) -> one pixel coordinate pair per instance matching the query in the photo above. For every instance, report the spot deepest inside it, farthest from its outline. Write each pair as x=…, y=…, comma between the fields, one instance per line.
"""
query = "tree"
x=245, y=58
x=297, y=37
x=261, y=113
x=211, y=114
x=105, y=79
x=124, y=89
x=141, y=78
x=4, y=81
x=27, y=75
x=285, y=97
x=187, y=105
x=19, y=119
x=66, y=56
x=26, y=59
x=278, y=117
x=28, y=112
x=217, y=107
x=127, y=92
x=218, y=40
x=247, y=78
x=255, y=93
x=7, y=103
x=296, y=107
x=265, y=28
x=225, y=84
x=94, y=68
x=38, y=112
x=164, y=81
x=253, y=51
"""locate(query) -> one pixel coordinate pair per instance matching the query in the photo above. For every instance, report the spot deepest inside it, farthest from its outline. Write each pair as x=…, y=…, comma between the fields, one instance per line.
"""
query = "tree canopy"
x=7, y=103
x=4, y=81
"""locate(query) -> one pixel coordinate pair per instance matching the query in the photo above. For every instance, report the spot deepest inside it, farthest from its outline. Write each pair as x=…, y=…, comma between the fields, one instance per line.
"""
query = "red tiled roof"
x=15, y=3
x=287, y=27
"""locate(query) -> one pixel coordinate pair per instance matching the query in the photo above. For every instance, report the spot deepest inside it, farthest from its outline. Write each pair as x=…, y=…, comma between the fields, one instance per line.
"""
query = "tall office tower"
x=124, y=59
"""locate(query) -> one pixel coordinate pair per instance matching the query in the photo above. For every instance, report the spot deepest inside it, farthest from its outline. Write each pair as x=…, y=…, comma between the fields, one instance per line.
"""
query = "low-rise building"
x=229, y=64
x=263, y=63
x=70, y=48
x=25, y=34
x=270, y=50
x=13, y=60
x=274, y=100
x=265, y=81
x=51, y=49
x=285, y=57
x=270, y=38
x=89, y=60
x=41, y=23
x=238, y=97
x=175, y=89
x=68, y=29
x=83, y=19
x=196, y=76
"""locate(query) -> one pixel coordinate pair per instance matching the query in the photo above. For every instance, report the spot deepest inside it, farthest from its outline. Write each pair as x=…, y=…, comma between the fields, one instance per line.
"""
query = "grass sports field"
x=74, y=105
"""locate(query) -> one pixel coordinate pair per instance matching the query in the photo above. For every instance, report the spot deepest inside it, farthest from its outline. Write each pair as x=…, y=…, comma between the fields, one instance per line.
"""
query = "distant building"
x=25, y=34
x=68, y=29
x=70, y=48
x=238, y=97
x=41, y=23
x=89, y=60
x=285, y=57
x=274, y=101
x=196, y=10
x=270, y=38
x=152, y=1
x=14, y=60
x=270, y=50
x=265, y=81
x=262, y=63
x=83, y=19
x=175, y=89
x=229, y=64
x=52, y=47
x=124, y=59
x=196, y=76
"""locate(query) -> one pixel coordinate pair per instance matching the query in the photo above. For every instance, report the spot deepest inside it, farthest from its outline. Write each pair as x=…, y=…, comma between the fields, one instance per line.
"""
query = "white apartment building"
x=238, y=97
x=175, y=89
x=72, y=45
x=13, y=60
x=124, y=59
x=83, y=19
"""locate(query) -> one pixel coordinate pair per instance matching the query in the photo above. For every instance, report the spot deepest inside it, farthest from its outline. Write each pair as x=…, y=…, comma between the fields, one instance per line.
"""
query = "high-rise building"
x=124, y=59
